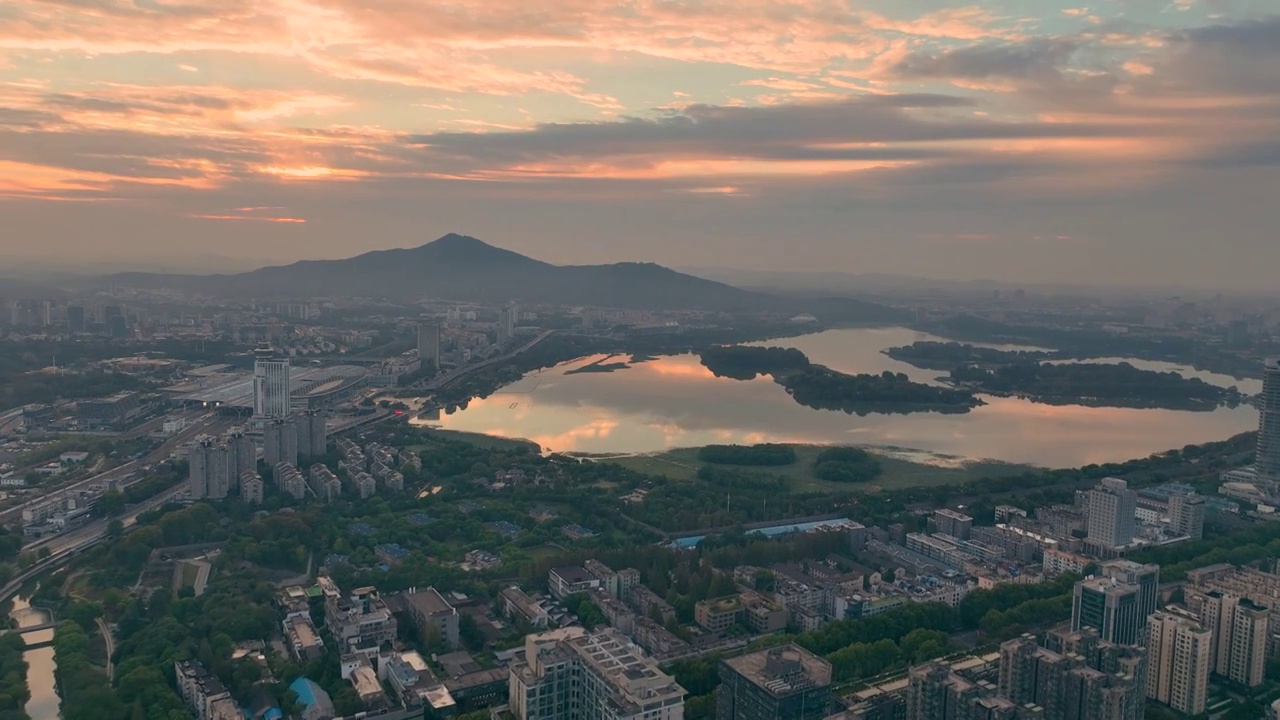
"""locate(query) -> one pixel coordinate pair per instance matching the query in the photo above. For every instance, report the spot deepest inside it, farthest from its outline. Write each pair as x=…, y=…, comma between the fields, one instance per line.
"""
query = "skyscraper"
x=507, y=324
x=271, y=388
x=1112, y=512
x=280, y=442
x=1267, y=461
x=429, y=344
x=1111, y=607
x=1179, y=659
x=313, y=432
x=1145, y=576
x=781, y=683
x=1186, y=515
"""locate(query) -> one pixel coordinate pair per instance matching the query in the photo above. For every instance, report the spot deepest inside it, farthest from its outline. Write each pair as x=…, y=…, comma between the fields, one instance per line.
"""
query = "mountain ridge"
x=464, y=268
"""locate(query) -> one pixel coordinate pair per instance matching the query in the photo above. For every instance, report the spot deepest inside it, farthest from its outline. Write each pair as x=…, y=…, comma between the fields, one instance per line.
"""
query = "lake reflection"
x=674, y=401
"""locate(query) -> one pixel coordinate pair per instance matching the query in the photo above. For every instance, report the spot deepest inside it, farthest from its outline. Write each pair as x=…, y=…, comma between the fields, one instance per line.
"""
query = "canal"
x=44, y=703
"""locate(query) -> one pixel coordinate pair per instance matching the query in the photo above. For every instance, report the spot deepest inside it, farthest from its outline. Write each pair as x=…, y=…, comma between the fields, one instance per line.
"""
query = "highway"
x=206, y=423
x=66, y=546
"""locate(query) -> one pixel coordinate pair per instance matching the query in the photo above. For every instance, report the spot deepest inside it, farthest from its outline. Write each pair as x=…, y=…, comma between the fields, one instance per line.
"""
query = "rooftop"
x=236, y=389
x=429, y=602
x=572, y=574
x=782, y=670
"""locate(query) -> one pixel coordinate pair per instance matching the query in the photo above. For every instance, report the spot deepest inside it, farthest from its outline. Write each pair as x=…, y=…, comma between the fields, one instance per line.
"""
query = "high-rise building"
x=429, y=344
x=272, y=393
x=1240, y=629
x=1112, y=512
x=280, y=441
x=507, y=324
x=215, y=465
x=781, y=683
x=950, y=522
x=1267, y=460
x=1249, y=633
x=569, y=674
x=313, y=433
x=1111, y=607
x=1145, y=576
x=1186, y=515
x=1179, y=659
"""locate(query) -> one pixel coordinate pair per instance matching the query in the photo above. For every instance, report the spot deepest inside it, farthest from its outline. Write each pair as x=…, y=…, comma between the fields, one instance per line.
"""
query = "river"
x=673, y=401
x=44, y=703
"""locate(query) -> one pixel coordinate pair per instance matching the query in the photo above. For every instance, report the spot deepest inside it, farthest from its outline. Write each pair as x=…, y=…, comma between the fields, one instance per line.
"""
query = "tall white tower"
x=271, y=390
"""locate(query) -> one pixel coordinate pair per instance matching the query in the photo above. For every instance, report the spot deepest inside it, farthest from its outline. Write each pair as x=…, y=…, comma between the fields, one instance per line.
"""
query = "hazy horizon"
x=1120, y=143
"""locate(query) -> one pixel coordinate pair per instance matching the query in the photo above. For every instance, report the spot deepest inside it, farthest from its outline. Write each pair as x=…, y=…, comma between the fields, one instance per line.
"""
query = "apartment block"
x=569, y=674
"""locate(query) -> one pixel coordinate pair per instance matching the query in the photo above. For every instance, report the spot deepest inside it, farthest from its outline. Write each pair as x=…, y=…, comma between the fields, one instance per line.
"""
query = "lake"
x=673, y=401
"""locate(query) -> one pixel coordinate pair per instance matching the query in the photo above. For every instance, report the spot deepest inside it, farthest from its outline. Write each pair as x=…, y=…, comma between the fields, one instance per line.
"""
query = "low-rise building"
x=522, y=608
x=433, y=617
x=204, y=695
x=304, y=642
x=570, y=580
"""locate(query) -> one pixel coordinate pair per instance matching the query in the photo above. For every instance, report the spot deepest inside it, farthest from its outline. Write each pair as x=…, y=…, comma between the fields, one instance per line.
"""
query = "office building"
x=781, y=683
x=1267, y=460
x=272, y=392
x=569, y=674
x=950, y=522
x=1145, y=576
x=280, y=441
x=1111, y=514
x=1179, y=660
x=1111, y=607
x=429, y=345
x=435, y=619
x=1240, y=630
x=1186, y=515
x=312, y=430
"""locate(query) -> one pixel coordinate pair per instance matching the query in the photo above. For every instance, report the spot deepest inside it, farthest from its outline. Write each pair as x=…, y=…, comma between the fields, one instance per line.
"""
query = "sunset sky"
x=1118, y=141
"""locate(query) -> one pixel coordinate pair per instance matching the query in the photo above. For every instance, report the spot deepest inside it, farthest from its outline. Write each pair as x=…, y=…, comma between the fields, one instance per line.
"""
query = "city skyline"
x=1109, y=141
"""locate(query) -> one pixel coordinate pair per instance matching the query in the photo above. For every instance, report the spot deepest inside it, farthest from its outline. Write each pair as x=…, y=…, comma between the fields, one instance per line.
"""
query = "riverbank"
x=901, y=468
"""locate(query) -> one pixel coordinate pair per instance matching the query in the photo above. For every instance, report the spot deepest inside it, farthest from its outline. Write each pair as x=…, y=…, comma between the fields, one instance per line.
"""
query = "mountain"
x=457, y=267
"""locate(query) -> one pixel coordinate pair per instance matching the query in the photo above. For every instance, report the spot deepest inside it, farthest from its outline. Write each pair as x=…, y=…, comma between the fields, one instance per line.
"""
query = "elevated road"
x=458, y=373
x=208, y=423
x=68, y=545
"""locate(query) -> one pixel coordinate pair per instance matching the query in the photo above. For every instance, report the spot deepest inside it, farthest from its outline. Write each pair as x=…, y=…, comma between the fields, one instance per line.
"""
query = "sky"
x=1113, y=141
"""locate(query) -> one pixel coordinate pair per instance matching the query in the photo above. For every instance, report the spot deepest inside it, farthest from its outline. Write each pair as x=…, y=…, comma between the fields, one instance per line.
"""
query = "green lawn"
x=683, y=464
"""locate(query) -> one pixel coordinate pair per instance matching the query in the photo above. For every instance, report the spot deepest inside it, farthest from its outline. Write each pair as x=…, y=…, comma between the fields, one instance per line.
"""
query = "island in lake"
x=933, y=355
x=822, y=388
x=1022, y=373
x=1096, y=385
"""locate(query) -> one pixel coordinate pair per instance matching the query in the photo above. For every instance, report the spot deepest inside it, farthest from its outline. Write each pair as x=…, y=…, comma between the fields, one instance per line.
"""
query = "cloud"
x=1041, y=59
